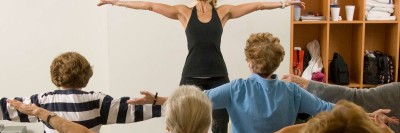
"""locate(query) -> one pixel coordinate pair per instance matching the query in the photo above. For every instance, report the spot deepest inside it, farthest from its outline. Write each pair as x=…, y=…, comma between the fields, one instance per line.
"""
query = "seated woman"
x=384, y=96
x=187, y=111
x=262, y=103
x=70, y=72
x=346, y=117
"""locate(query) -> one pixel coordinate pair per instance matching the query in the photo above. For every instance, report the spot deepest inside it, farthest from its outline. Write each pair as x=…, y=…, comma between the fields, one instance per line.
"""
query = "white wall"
x=130, y=50
x=147, y=51
x=32, y=33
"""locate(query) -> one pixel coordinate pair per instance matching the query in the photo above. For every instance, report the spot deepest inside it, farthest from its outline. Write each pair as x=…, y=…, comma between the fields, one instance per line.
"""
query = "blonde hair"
x=264, y=52
x=346, y=117
x=70, y=70
x=188, y=110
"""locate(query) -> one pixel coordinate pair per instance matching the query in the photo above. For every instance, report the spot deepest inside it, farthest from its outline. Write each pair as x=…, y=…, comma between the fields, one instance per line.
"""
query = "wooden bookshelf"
x=348, y=38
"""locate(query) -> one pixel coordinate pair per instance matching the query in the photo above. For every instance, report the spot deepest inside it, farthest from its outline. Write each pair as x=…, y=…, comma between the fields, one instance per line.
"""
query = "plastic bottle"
x=297, y=12
x=334, y=3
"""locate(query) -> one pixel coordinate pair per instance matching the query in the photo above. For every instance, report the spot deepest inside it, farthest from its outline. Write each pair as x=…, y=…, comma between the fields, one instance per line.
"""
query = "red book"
x=298, y=61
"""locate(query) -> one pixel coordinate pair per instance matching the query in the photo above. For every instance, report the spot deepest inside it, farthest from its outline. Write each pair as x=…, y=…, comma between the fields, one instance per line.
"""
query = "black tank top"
x=204, y=40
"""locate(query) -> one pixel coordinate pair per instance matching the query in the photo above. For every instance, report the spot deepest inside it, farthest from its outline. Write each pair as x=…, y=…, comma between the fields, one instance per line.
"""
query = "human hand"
x=29, y=109
x=380, y=116
x=296, y=3
x=380, y=119
x=104, y=2
x=303, y=83
x=148, y=98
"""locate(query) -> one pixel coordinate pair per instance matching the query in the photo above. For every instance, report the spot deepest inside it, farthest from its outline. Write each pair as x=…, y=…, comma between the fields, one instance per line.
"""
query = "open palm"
x=148, y=98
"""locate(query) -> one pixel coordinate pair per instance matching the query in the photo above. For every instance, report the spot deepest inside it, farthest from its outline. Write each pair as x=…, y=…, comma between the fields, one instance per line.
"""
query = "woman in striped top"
x=71, y=72
x=188, y=110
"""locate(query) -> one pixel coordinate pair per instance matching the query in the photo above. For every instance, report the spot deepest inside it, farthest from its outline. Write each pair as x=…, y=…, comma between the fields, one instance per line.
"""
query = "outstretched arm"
x=172, y=12
x=58, y=123
x=366, y=98
x=11, y=114
x=309, y=103
x=148, y=98
x=119, y=111
x=243, y=9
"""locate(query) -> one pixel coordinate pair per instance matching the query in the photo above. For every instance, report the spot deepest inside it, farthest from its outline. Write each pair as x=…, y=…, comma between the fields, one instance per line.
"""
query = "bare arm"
x=11, y=114
x=119, y=111
x=172, y=12
x=60, y=124
x=243, y=9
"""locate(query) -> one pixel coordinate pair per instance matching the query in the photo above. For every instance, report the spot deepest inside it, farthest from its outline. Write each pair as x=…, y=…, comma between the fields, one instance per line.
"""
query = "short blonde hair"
x=346, y=117
x=264, y=52
x=188, y=110
x=70, y=70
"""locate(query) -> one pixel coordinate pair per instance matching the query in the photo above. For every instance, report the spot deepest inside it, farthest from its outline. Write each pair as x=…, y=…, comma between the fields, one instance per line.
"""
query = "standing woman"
x=203, y=24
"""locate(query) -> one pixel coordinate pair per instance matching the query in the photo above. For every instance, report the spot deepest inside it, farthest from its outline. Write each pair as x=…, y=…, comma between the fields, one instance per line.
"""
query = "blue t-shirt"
x=259, y=105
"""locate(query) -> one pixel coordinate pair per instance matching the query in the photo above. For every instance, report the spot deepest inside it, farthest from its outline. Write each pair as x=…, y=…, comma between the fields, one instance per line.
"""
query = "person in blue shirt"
x=261, y=103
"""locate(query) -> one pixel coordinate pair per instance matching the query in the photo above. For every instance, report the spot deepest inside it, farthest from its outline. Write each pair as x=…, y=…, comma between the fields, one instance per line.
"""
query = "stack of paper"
x=312, y=18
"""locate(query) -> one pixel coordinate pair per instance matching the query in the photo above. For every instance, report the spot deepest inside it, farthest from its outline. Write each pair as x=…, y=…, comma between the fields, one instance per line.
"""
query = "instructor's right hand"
x=104, y=2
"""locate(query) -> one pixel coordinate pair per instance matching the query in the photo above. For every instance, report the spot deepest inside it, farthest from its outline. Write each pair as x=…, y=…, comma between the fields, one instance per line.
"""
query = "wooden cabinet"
x=348, y=38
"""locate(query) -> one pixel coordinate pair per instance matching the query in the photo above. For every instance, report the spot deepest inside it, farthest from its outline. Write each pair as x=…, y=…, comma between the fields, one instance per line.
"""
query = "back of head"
x=188, y=110
x=70, y=70
x=264, y=52
x=346, y=117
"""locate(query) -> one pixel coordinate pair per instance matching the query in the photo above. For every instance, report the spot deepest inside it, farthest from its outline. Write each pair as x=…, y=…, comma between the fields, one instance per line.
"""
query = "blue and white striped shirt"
x=90, y=109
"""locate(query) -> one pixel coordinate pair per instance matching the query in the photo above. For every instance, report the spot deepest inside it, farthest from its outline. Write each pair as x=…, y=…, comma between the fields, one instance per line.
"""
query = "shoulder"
x=239, y=85
x=232, y=85
x=99, y=95
x=183, y=10
x=183, y=7
x=224, y=7
x=240, y=81
x=288, y=85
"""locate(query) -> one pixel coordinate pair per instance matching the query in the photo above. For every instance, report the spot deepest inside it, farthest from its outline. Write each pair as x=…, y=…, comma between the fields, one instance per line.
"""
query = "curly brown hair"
x=70, y=70
x=264, y=52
